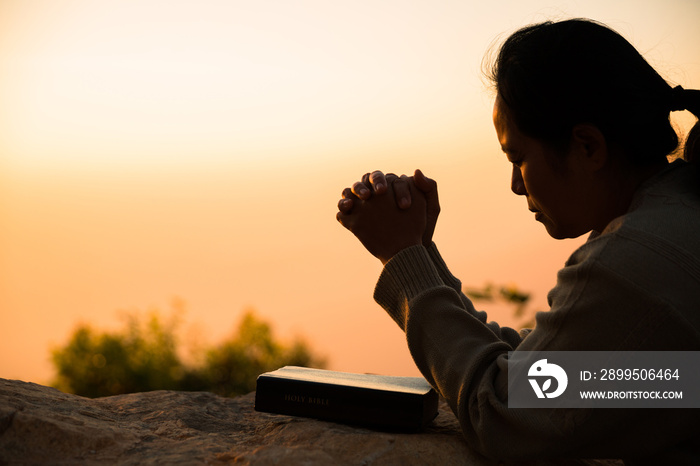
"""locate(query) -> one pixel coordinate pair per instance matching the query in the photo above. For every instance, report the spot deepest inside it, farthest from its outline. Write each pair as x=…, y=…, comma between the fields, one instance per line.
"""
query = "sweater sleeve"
x=434, y=271
x=466, y=360
x=513, y=336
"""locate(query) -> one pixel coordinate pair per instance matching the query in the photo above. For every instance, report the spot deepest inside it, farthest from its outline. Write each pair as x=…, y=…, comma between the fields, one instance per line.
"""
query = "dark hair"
x=554, y=75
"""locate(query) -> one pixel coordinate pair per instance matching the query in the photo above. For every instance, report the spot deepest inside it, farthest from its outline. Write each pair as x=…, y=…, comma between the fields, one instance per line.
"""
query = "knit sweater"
x=633, y=287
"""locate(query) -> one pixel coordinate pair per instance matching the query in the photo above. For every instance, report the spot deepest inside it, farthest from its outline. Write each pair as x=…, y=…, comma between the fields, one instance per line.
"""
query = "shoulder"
x=663, y=221
x=661, y=228
x=651, y=252
x=666, y=207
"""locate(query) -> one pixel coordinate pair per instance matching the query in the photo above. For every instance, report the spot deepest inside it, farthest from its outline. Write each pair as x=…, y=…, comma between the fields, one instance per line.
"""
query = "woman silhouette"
x=584, y=121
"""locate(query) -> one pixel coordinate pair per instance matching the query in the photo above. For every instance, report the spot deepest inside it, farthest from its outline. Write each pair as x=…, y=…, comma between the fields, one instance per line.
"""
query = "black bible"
x=383, y=401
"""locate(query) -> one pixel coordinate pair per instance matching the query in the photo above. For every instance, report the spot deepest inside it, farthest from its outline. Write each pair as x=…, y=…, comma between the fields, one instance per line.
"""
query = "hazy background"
x=152, y=151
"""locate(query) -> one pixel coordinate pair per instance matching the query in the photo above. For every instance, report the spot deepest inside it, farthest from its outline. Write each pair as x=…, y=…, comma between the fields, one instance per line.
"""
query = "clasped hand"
x=388, y=213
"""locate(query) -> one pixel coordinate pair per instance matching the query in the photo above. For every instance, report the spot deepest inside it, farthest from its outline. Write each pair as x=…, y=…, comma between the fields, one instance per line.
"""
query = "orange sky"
x=154, y=149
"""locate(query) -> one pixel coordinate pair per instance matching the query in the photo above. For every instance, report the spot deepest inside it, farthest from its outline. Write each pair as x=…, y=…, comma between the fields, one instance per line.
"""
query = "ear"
x=589, y=144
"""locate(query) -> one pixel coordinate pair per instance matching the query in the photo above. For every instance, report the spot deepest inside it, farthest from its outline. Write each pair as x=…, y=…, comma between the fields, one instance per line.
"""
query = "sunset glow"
x=152, y=150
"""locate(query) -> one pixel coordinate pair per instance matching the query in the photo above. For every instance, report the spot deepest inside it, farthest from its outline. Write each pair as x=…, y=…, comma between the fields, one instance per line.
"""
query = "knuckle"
x=378, y=177
x=358, y=186
x=359, y=189
x=391, y=178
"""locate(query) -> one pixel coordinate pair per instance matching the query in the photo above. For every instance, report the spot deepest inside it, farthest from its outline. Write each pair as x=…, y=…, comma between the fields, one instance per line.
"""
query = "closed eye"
x=513, y=156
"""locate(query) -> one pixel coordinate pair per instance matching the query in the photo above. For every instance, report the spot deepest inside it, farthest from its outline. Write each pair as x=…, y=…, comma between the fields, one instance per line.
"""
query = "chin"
x=559, y=233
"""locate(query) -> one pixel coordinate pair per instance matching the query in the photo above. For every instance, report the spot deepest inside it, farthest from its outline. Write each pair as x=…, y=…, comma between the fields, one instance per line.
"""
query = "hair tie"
x=678, y=100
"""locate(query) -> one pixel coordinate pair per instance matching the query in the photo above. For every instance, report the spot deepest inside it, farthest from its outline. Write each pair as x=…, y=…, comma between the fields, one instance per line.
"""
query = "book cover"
x=402, y=403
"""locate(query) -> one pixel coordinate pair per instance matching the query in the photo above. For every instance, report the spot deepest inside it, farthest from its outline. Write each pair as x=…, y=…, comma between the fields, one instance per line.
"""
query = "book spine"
x=342, y=403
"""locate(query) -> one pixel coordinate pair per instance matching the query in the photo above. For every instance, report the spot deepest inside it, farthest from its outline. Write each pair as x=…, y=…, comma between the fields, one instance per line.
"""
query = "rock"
x=40, y=425
x=43, y=425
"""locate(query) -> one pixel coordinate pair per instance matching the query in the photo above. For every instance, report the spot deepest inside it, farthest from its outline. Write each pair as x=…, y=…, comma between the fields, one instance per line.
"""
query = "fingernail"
x=404, y=202
x=378, y=186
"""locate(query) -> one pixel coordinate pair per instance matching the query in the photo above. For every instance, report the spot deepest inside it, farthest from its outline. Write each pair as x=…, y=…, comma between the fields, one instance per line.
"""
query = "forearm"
x=424, y=298
x=510, y=335
x=466, y=361
x=455, y=351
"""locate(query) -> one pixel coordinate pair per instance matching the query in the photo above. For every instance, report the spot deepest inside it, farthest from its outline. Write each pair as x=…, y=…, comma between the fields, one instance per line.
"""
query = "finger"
x=429, y=188
x=348, y=194
x=347, y=220
x=378, y=181
x=390, y=178
x=345, y=205
x=402, y=192
x=424, y=183
x=348, y=201
x=361, y=190
x=340, y=216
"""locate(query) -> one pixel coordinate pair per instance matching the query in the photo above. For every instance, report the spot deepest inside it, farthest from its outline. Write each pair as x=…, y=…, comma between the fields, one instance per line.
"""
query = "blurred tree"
x=509, y=294
x=144, y=356
x=232, y=367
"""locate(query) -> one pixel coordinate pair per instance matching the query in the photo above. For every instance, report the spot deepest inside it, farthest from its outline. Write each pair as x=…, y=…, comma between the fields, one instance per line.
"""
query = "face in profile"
x=550, y=182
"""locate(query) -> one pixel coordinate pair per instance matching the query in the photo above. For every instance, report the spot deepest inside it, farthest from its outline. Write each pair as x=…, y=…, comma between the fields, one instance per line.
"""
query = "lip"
x=538, y=213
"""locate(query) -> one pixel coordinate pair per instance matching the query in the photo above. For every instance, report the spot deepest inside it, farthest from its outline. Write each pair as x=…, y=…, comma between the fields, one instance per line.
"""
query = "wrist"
x=384, y=258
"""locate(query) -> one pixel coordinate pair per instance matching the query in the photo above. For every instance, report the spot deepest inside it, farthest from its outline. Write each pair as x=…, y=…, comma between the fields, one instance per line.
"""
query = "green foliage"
x=144, y=356
x=511, y=295
x=232, y=367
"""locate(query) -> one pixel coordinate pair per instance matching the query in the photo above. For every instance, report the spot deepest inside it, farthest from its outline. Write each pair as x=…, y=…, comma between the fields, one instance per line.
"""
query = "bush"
x=144, y=356
x=232, y=367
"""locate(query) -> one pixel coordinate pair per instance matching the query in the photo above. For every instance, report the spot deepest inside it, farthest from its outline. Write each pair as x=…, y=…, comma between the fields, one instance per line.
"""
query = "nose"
x=517, y=185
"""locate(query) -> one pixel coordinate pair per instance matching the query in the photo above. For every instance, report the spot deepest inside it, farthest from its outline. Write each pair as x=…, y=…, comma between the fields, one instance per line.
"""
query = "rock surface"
x=41, y=425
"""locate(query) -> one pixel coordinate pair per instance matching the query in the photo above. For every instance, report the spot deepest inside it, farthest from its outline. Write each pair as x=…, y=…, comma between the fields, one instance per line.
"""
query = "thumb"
x=423, y=183
x=429, y=188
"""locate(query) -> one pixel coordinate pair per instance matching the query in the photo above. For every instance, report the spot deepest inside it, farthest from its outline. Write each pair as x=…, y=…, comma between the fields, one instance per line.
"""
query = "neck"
x=621, y=185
